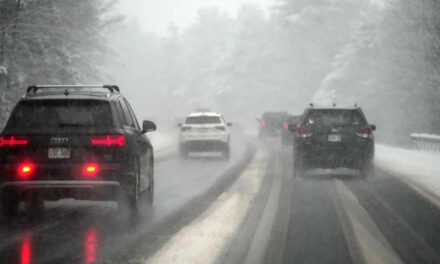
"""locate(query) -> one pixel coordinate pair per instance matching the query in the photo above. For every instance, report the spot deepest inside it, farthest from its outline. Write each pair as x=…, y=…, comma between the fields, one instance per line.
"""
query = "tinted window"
x=61, y=113
x=335, y=117
x=133, y=117
x=128, y=118
x=203, y=120
x=275, y=116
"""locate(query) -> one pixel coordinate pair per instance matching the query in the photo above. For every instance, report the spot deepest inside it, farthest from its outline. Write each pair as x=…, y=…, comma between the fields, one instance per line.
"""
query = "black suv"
x=334, y=137
x=287, y=136
x=272, y=124
x=81, y=142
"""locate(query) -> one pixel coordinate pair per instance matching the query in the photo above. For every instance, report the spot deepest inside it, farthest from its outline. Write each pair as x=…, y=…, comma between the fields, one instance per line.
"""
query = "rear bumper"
x=204, y=145
x=328, y=157
x=55, y=190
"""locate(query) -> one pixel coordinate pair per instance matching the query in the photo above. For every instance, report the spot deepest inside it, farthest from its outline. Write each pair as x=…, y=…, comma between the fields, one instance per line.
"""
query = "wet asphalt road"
x=70, y=231
x=312, y=223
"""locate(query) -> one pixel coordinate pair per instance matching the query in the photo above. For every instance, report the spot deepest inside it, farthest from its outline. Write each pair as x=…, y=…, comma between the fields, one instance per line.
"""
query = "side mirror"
x=229, y=124
x=373, y=127
x=148, y=126
x=179, y=124
x=292, y=127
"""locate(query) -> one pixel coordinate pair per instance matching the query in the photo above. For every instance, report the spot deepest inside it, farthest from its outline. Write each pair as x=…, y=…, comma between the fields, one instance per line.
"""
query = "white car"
x=204, y=132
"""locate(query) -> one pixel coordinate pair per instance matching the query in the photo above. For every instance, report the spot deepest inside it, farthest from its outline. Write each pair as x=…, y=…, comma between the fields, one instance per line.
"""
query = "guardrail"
x=426, y=142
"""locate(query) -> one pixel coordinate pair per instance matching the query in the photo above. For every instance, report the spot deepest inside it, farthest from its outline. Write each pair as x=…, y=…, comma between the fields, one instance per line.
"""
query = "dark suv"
x=272, y=124
x=332, y=138
x=287, y=136
x=81, y=142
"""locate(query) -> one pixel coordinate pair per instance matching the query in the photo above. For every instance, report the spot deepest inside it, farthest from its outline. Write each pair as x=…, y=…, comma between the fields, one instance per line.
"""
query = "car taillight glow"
x=25, y=170
x=303, y=131
x=286, y=126
x=366, y=132
x=90, y=169
x=13, y=141
x=108, y=140
x=263, y=123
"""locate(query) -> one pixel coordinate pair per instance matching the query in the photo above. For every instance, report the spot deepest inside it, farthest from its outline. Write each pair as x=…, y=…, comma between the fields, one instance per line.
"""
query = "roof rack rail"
x=34, y=88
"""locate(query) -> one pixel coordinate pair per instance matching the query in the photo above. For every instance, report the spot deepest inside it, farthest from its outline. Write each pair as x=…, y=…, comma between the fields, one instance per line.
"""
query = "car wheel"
x=9, y=205
x=150, y=190
x=366, y=170
x=183, y=152
x=226, y=151
x=298, y=169
x=129, y=198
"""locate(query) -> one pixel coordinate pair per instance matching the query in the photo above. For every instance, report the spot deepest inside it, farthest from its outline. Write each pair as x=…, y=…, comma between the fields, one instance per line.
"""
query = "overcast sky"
x=156, y=15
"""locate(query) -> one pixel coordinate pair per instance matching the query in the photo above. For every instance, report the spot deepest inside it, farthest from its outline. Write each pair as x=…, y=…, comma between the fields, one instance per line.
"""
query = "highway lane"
x=333, y=217
x=71, y=231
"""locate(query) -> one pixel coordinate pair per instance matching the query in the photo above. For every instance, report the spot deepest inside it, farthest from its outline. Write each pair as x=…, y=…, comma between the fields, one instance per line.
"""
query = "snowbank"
x=421, y=168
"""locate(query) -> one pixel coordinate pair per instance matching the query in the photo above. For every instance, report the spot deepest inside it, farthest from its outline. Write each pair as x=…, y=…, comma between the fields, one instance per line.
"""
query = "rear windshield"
x=61, y=113
x=294, y=120
x=335, y=118
x=275, y=117
x=202, y=120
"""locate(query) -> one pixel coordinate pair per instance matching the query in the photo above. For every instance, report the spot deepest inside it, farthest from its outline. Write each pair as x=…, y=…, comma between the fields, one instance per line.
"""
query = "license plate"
x=334, y=138
x=59, y=153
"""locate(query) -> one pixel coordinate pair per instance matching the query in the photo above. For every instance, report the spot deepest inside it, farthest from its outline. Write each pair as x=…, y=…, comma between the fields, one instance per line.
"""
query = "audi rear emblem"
x=59, y=140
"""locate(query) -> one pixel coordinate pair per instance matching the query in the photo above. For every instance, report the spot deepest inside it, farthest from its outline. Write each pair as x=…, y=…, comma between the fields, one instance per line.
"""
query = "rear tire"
x=226, y=152
x=366, y=170
x=130, y=199
x=183, y=152
x=150, y=190
x=298, y=170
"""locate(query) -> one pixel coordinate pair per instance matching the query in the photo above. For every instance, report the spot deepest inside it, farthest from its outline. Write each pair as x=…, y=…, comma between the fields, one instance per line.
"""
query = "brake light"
x=13, y=141
x=108, y=140
x=303, y=131
x=90, y=169
x=286, y=126
x=366, y=132
x=263, y=123
x=25, y=170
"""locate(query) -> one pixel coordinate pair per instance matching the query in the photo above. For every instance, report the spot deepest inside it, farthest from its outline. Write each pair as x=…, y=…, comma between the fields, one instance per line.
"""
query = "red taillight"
x=108, y=140
x=302, y=129
x=263, y=123
x=366, y=132
x=286, y=126
x=13, y=141
x=303, y=132
x=90, y=169
x=25, y=170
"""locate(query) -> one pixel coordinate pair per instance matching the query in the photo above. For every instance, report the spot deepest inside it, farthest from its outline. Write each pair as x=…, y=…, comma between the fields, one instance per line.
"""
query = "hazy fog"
x=241, y=58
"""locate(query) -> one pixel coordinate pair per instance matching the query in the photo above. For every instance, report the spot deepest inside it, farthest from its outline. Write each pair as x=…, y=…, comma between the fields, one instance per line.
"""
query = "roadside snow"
x=417, y=167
